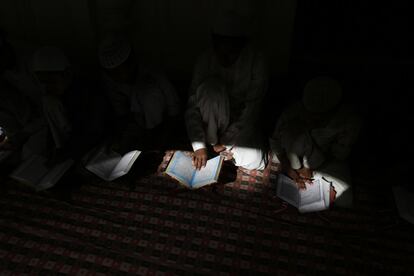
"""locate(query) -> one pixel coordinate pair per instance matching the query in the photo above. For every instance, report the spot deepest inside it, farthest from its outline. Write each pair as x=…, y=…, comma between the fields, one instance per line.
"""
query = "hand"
x=306, y=174
x=228, y=155
x=219, y=148
x=294, y=175
x=200, y=158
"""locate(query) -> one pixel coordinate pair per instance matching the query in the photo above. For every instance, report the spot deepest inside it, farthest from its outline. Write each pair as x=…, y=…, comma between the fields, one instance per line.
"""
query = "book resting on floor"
x=181, y=168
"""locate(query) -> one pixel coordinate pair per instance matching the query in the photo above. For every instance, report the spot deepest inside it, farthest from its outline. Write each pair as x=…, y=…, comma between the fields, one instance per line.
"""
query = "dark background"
x=366, y=45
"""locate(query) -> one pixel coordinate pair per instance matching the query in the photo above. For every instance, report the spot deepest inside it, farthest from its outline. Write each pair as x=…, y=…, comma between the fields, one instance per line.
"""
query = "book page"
x=54, y=175
x=31, y=171
x=124, y=164
x=103, y=163
x=208, y=174
x=287, y=190
x=313, y=198
x=181, y=168
x=313, y=193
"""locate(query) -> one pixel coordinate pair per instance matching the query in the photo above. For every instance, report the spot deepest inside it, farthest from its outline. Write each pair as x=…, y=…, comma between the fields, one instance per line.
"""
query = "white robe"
x=322, y=145
x=225, y=103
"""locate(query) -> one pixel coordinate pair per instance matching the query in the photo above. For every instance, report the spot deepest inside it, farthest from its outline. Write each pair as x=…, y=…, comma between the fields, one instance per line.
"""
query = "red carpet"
x=156, y=229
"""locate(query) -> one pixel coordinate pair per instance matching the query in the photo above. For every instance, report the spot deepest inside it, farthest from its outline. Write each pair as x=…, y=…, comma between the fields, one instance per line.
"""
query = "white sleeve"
x=198, y=145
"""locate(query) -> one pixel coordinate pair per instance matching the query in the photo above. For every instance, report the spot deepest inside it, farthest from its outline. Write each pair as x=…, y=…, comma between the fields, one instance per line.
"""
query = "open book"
x=112, y=165
x=34, y=172
x=182, y=169
x=314, y=198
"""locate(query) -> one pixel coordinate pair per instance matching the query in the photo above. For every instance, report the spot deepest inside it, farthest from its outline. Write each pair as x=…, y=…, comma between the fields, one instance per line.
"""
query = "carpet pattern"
x=158, y=228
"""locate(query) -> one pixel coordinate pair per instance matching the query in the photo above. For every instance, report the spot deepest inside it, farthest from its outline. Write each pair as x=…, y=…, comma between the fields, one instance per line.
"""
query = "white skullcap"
x=50, y=59
x=113, y=51
x=321, y=94
x=230, y=24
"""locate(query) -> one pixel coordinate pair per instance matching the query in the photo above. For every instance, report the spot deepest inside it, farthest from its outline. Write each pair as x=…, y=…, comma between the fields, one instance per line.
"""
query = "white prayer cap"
x=321, y=94
x=229, y=23
x=50, y=59
x=113, y=51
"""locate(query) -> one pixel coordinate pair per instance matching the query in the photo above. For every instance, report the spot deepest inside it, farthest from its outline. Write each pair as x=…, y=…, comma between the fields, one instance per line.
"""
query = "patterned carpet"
x=157, y=228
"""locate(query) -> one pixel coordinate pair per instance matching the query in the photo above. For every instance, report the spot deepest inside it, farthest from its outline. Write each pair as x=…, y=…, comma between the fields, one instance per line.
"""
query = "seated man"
x=144, y=102
x=20, y=116
x=70, y=108
x=316, y=136
x=228, y=86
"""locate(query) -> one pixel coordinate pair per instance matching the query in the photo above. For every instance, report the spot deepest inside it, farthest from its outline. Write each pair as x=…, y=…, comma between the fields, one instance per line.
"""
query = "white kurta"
x=320, y=144
x=225, y=103
x=248, y=158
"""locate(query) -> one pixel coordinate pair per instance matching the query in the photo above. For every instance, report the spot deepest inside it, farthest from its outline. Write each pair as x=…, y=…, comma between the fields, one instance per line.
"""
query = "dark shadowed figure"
x=315, y=136
x=71, y=109
x=20, y=111
x=145, y=104
x=227, y=89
